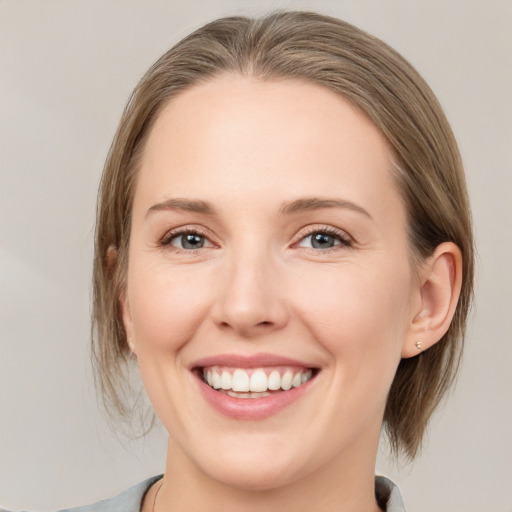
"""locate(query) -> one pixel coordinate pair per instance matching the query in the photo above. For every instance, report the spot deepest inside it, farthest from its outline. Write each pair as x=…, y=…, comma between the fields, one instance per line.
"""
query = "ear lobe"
x=441, y=280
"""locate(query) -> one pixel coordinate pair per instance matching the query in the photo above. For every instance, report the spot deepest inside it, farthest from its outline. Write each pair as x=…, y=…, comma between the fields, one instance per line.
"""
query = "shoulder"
x=388, y=495
x=128, y=501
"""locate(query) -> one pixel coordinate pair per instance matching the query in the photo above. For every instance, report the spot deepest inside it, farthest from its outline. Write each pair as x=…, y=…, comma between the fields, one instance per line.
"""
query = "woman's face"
x=268, y=249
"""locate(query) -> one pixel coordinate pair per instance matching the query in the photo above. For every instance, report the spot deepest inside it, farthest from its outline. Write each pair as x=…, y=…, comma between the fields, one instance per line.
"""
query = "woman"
x=284, y=246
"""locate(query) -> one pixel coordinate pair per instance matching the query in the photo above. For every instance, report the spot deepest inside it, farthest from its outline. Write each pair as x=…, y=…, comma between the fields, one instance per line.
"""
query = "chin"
x=250, y=475
x=249, y=461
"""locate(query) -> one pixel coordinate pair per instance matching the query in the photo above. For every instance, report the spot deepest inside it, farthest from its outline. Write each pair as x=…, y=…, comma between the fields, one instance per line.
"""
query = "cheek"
x=166, y=307
x=358, y=313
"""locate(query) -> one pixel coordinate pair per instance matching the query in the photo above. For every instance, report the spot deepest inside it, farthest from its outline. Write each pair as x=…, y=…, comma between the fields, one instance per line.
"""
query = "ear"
x=439, y=291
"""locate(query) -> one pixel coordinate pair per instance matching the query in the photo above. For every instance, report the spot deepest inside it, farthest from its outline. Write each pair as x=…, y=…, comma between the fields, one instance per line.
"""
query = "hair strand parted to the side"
x=378, y=81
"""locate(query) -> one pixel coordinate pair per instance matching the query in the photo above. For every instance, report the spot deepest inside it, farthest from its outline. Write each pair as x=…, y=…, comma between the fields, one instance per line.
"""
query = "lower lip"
x=251, y=409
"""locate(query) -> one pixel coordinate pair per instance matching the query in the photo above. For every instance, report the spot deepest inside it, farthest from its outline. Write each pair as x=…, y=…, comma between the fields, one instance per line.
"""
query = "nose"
x=251, y=297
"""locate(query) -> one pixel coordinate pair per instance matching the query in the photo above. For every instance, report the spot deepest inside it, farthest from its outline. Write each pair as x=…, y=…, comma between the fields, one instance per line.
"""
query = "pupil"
x=192, y=241
x=321, y=241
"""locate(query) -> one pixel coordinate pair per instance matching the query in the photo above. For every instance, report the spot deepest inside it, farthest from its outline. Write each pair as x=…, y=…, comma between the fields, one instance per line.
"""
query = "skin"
x=247, y=147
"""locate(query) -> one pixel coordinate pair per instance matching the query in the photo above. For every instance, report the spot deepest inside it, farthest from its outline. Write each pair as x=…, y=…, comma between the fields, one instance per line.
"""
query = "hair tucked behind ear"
x=376, y=79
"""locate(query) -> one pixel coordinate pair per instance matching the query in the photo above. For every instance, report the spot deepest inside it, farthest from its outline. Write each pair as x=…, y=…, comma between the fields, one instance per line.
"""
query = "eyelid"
x=346, y=240
x=165, y=241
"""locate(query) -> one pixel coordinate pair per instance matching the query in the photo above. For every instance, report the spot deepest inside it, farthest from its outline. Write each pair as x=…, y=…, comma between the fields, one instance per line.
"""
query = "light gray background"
x=66, y=69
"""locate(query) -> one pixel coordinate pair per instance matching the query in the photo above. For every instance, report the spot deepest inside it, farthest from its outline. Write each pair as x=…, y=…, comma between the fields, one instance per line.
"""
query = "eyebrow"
x=288, y=208
x=186, y=205
x=317, y=203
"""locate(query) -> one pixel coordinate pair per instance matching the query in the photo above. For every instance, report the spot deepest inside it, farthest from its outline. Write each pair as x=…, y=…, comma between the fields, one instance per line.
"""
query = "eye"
x=325, y=239
x=186, y=239
x=189, y=241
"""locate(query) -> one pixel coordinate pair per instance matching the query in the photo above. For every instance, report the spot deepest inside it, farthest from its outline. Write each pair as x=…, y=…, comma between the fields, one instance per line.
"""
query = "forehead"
x=245, y=135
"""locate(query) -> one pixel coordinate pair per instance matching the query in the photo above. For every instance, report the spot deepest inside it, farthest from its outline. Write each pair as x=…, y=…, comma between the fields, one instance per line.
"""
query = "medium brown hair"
x=377, y=80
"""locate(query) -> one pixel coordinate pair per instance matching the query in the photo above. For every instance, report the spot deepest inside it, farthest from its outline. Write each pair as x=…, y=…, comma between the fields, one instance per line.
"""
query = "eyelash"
x=341, y=236
x=175, y=233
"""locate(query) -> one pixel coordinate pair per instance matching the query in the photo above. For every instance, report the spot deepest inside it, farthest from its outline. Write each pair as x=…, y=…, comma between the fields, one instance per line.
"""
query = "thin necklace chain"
x=156, y=494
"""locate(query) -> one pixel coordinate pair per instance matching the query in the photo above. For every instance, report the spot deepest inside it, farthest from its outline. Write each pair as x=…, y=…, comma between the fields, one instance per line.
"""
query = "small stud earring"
x=131, y=344
x=418, y=345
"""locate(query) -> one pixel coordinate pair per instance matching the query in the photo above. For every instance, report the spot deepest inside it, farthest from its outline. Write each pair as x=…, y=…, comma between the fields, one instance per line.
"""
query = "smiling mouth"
x=254, y=382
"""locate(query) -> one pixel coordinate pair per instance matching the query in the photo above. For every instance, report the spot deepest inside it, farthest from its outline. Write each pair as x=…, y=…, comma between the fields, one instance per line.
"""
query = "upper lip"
x=249, y=361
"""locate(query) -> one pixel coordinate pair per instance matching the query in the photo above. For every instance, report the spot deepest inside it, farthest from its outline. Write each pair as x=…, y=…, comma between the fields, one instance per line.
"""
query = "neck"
x=344, y=484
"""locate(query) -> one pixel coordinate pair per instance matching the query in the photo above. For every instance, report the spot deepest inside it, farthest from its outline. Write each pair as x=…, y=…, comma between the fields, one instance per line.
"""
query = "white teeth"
x=306, y=376
x=238, y=395
x=286, y=380
x=296, y=381
x=241, y=381
x=247, y=395
x=225, y=380
x=239, y=384
x=216, y=380
x=274, y=381
x=259, y=395
x=258, y=381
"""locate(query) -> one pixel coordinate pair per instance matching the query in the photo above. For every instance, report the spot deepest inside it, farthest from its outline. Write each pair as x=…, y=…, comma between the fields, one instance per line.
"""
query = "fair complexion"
x=267, y=225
